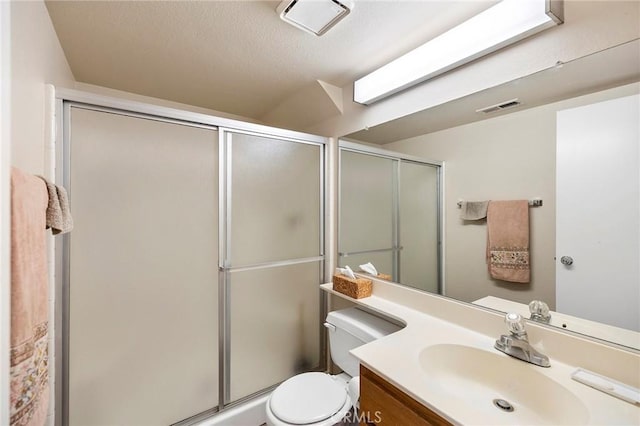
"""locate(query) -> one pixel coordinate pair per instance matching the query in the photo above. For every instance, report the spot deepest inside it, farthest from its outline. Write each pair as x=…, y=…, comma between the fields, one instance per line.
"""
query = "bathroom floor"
x=349, y=415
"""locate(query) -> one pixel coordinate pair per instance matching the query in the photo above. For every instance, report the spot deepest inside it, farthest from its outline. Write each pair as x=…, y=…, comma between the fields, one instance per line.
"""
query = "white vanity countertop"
x=397, y=359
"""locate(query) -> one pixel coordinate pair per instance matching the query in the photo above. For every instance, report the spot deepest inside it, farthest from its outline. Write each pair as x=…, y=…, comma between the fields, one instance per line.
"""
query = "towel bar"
x=536, y=202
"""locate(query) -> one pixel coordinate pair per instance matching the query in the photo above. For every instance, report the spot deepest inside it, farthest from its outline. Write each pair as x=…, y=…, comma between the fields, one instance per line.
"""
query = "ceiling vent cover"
x=314, y=16
x=501, y=106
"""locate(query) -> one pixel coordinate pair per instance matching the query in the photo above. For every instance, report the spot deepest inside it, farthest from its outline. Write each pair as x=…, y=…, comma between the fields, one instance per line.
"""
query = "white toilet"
x=320, y=399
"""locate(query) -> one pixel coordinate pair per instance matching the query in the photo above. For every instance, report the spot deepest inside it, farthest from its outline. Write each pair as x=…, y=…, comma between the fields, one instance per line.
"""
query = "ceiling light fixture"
x=501, y=25
x=314, y=16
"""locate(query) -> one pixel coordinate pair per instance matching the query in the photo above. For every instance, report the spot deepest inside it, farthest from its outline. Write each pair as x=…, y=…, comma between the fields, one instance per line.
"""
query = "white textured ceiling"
x=237, y=56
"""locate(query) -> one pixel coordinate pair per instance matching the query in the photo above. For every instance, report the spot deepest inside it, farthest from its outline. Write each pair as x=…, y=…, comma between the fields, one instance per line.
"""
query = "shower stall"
x=191, y=280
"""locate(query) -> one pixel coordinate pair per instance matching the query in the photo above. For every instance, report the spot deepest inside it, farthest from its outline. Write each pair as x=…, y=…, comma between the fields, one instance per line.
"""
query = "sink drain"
x=503, y=405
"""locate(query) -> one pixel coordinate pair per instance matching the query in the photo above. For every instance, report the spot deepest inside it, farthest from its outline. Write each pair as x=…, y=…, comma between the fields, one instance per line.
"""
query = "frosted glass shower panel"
x=366, y=202
x=275, y=330
x=419, y=225
x=275, y=200
x=143, y=345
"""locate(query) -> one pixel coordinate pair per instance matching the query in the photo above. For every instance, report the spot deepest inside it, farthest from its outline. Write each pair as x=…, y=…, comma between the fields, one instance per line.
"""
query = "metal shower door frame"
x=226, y=269
x=65, y=99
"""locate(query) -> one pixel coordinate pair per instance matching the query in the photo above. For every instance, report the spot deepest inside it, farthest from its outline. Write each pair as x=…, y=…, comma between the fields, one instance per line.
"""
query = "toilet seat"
x=308, y=398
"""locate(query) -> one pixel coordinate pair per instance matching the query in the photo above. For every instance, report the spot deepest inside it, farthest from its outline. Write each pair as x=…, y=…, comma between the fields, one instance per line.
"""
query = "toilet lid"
x=307, y=398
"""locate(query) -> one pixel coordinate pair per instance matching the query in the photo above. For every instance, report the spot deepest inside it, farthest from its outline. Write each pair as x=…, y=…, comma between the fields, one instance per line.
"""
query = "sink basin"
x=475, y=378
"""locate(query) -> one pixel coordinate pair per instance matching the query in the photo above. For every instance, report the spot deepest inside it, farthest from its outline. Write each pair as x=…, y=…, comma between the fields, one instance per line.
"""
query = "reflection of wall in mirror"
x=507, y=157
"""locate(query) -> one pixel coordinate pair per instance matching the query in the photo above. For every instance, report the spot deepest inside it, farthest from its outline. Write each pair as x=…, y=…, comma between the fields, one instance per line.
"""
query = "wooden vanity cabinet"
x=381, y=403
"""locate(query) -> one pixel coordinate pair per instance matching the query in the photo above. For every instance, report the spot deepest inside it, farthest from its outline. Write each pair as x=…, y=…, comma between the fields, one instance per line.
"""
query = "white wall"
x=37, y=59
x=508, y=157
x=5, y=222
x=590, y=26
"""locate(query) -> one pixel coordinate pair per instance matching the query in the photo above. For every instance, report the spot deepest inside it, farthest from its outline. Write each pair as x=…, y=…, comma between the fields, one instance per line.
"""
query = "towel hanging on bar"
x=29, y=367
x=508, y=241
x=58, y=212
x=473, y=210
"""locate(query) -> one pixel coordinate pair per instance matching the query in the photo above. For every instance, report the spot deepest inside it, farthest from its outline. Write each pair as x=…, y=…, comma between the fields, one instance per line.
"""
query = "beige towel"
x=473, y=210
x=58, y=212
x=29, y=370
x=508, y=240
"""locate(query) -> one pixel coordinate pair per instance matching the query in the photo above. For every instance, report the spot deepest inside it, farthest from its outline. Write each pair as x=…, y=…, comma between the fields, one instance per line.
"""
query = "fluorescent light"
x=501, y=25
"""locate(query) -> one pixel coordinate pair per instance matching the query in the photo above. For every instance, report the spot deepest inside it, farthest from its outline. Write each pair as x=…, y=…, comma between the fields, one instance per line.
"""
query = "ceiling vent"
x=501, y=106
x=314, y=16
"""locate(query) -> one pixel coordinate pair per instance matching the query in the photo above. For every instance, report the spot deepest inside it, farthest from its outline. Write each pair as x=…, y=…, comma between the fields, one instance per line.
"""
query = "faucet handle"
x=515, y=324
x=539, y=311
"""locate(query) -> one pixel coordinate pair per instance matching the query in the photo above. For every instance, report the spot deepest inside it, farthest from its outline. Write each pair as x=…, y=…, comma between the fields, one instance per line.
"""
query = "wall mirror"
x=520, y=151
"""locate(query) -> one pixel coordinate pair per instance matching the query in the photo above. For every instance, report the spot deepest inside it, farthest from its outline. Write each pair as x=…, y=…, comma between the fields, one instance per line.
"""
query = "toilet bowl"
x=321, y=399
x=313, y=399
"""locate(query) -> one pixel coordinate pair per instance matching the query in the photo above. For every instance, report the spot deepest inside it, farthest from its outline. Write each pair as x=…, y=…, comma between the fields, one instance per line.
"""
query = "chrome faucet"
x=539, y=311
x=516, y=344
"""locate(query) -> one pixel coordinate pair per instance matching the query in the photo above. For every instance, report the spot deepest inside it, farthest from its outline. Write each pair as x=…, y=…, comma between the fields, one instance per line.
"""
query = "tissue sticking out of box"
x=369, y=269
x=346, y=271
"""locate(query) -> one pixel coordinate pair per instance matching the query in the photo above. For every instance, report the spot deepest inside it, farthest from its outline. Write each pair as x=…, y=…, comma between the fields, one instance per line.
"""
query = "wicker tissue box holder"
x=385, y=277
x=357, y=289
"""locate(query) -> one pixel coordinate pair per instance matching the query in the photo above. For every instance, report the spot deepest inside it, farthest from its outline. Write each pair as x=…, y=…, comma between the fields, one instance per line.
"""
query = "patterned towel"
x=29, y=301
x=508, y=241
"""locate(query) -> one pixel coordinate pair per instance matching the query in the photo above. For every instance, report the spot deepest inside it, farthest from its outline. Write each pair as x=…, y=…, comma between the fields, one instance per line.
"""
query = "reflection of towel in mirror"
x=508, y=240
x=58, y=212
x=473, y=210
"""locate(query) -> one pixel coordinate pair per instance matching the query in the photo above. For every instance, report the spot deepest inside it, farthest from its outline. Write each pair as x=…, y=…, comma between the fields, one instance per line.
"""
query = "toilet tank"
x=353, y=328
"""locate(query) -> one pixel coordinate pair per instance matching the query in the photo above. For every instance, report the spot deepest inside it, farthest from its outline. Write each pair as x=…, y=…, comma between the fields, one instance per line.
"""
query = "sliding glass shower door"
x=143, y=279
x=418, y=223
x=191, y=279
x=273, y=260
